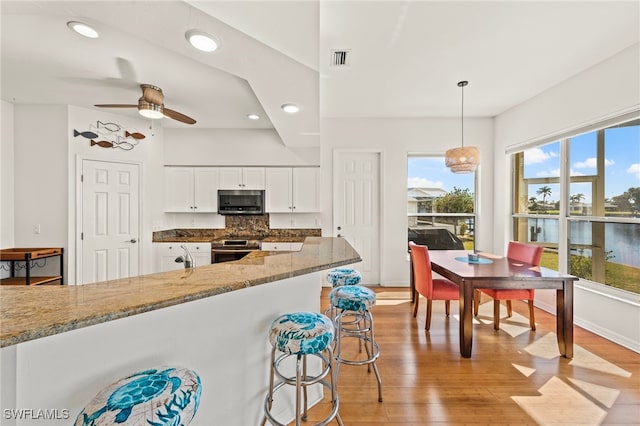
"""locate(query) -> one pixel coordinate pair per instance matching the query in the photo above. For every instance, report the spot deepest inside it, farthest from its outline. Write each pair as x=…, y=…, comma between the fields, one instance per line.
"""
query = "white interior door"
x=356, y=207
x=110, y=221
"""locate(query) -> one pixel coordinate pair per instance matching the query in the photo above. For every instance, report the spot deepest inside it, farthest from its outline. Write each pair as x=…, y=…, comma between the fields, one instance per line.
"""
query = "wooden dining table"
x=498, y=272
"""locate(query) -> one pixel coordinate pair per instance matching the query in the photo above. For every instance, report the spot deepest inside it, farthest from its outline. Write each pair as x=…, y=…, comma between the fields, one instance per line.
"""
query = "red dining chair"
x=526, y=253
x=425, y=285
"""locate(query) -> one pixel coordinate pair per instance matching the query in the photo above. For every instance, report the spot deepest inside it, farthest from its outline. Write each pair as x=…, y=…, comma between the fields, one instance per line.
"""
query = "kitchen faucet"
x=189, y=262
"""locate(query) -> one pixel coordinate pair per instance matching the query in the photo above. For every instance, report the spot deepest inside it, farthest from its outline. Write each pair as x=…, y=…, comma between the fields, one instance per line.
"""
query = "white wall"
x=46, y=156
x=41, y=163
x=233, y=147
x=395, y=139
x=606, y=90
x=7, y=159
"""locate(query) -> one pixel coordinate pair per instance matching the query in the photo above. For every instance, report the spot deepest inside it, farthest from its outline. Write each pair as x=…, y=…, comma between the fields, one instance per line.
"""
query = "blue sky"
x=622, y=165
x=622, y=162
x=430, y=172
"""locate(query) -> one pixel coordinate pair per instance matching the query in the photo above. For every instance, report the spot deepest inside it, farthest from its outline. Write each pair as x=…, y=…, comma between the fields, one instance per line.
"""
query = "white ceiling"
x=406, y=56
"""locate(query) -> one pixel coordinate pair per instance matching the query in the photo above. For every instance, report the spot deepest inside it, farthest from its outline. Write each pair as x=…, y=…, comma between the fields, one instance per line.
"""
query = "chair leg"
x=427, y=324
x=447, y=307
x=532, y=319
x=476, y=301
x=416, y=297
x=509, y=309
x=496, y=314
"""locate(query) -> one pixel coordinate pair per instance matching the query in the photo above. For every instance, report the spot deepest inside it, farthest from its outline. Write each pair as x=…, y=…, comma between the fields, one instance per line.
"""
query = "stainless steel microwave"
x=240, y=201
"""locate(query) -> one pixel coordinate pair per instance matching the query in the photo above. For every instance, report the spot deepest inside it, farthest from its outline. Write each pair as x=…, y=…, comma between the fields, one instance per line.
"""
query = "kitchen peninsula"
x=61, y=344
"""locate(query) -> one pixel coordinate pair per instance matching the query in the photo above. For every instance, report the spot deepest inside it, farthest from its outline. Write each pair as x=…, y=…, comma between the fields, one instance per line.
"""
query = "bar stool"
x=354, y=320
x=344, y=276
x=159, y=396
x=301, y=334
x=339, y=277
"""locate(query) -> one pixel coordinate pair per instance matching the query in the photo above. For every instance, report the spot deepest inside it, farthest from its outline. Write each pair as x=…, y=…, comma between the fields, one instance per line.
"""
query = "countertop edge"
x=74, y=324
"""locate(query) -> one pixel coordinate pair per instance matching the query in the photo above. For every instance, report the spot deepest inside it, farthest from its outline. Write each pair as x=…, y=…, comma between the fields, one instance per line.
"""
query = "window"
x=440, y=205
x=599, y=211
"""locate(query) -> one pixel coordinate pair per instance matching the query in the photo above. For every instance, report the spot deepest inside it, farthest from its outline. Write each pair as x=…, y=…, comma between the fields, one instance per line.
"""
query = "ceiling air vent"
x=341, y=58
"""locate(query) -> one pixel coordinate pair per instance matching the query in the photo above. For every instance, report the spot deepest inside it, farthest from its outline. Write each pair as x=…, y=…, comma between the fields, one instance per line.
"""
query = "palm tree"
x=533, y=203
x=576, y=198
x=545, y=191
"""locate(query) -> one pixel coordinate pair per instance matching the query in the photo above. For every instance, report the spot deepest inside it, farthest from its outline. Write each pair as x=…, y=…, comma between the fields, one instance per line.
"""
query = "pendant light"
x=463, y=159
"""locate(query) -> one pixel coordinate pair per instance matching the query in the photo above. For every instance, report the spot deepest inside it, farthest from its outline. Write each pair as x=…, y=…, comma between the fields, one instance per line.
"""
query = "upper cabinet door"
x=230, y=177
x=278, y=194
x=253, y=178
x=306, y=189
x=206, y=189
x=242, y=178
x=178, y=189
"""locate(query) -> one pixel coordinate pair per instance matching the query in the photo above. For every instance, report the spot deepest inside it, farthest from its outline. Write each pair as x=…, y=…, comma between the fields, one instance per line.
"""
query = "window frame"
x=565, y=180
x=476, y=198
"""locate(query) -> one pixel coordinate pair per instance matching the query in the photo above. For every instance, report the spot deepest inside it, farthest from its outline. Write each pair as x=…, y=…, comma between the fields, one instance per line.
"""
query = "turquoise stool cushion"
x=301, y=333
x=352, y=298
x=344, y=276
x=163, y=396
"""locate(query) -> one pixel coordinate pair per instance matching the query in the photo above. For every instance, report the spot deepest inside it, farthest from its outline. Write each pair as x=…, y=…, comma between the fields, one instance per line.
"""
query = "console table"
x=27, y=255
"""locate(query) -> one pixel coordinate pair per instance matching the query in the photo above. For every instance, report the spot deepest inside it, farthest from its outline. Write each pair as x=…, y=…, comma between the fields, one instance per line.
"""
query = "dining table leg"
x=564, y=319
x=466, y=318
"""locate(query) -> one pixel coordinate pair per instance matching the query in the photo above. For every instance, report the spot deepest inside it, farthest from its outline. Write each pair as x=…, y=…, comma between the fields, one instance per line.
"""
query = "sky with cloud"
x=621, y=161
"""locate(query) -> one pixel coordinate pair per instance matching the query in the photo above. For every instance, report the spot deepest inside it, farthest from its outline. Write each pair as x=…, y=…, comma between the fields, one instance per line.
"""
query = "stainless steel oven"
x=230, y=250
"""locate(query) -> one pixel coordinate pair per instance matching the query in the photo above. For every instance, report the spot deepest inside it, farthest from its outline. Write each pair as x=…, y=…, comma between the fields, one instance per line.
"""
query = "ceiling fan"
x=151, y=105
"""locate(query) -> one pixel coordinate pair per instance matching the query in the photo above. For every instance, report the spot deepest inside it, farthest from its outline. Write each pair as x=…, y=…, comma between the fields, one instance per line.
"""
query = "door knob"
x=133, y=240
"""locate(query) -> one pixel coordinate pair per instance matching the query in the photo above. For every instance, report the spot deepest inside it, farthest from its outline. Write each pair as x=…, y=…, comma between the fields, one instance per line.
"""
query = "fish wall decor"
x=135, y=135
x=103, y=144
x=86, y=134
x=113, y=136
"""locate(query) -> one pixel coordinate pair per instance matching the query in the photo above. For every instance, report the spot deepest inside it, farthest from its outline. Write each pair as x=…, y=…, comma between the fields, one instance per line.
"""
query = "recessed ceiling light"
x=290, y=108
x=201, y=40
x=253, y=116
x=82, y=29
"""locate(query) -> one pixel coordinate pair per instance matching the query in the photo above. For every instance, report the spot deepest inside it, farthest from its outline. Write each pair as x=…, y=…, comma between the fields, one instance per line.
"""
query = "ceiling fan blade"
x=116, y=106
x=178, y=116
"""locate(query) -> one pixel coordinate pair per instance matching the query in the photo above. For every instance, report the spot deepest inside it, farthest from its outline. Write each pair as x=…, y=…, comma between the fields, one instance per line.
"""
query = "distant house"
x=420, y=200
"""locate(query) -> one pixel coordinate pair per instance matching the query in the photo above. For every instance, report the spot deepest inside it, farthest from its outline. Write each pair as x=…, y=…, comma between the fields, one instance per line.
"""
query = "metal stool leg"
x=271, y=379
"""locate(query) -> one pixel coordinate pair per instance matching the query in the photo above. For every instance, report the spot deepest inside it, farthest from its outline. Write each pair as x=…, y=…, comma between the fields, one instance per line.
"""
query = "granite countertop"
x=32, y=312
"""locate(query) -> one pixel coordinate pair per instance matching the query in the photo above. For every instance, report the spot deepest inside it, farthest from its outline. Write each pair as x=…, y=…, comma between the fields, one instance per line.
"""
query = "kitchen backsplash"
x=235, y=227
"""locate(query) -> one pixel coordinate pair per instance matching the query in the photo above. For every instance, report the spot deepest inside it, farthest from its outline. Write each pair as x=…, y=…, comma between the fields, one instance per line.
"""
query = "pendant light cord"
x=461, y=84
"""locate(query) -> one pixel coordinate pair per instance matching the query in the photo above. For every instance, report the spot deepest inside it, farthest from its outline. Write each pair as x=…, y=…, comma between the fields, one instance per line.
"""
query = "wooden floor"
x=515, y=376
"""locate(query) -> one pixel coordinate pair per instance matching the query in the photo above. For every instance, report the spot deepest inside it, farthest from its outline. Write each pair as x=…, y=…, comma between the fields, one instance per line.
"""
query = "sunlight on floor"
x=546, y=347
x=604, y=395
x=560, y=404
x=526, y=371
x=585, y=359
x=514, y=326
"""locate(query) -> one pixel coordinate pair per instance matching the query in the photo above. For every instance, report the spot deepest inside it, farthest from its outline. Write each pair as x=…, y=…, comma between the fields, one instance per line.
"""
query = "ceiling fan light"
x=82, y=29
x=201, y=40
x=149, y=110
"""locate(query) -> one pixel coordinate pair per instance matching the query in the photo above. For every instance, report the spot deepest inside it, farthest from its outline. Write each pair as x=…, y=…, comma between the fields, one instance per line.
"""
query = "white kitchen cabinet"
x=292, y=190
x=242, y=177
x=191, y=189
x=167, y=253
x=281, y=246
